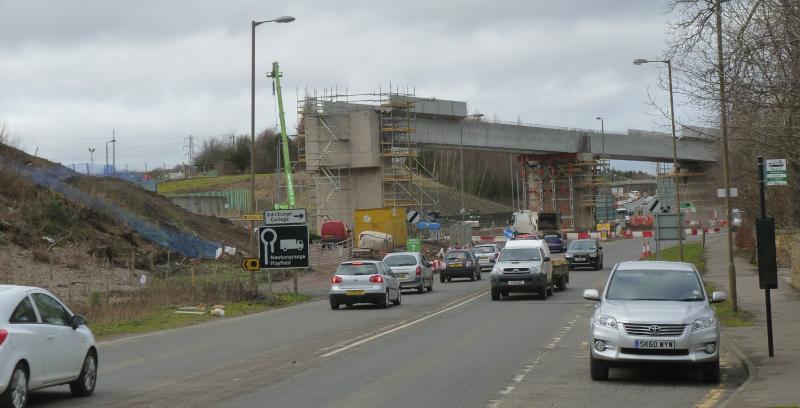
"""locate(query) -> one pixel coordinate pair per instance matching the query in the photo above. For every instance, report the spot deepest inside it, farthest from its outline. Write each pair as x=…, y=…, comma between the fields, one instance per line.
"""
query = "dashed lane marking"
x=403, y=326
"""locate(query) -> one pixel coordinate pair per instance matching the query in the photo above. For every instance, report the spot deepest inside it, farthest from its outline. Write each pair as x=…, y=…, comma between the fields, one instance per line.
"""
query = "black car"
x=460, y=263
x=555, y=243
x=585, y=253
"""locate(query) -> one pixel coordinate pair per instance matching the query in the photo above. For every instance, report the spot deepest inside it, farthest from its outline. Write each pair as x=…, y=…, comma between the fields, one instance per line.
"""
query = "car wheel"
x=597, y=369
x=334, y=305
x=398, y=300
x=385, y=302
x=421, y=288
x=711, y=373
x=480, y=277
x=16, y=394
x=430, y=286
x=543, y=294
x=550, y=289
x=441, y=279
x=472, y=277
x=562, y=284
x=504, y=293
x=495, y=294
x=449, y=279
x=84, y=385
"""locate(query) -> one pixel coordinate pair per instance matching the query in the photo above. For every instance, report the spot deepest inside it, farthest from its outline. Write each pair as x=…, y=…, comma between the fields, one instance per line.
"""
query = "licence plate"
x=355, y=292
x=655, y=344
x=516, y=283
x=403, y=275
x=580, y=259
x=456, y=265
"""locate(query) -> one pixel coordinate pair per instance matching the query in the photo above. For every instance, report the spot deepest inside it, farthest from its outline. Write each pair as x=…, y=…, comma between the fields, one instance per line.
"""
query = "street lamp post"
x=110, y=141
x=723, y=117
x=91, y=160
x=640, y=61
x=461, y=151
x=253, y=25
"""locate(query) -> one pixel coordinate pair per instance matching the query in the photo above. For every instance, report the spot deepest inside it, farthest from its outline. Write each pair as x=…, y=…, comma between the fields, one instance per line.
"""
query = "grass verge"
x=693, y=253
x=201, y=184
x=165, y=318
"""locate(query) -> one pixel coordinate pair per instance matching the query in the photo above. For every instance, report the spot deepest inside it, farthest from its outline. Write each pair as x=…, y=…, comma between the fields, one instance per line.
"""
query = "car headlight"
x=593, y=255
x=536, y=269
x=704, y=323
x=498, y=271
x=568, y=255
x=606, y=321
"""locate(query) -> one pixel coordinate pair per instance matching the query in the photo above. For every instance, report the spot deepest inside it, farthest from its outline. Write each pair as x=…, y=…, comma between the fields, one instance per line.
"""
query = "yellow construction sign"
x=604, y=227
x=252, y=217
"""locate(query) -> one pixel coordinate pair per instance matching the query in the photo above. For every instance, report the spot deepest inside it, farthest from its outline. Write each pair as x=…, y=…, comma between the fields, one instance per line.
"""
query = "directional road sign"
x=285, y=217
x=283, y=246
x=250, y=264
x=252, y=217
x=775, y=170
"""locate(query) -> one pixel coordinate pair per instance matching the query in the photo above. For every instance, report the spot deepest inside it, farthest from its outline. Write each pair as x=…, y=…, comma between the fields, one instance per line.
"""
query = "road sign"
x=721, y=192
x=283, y=246
x=412, y=216
x=685, y=205
x=413, y=245
x=775, y=172
x=604, y=227
x=253, y=217
x=250, y=264
x=285, y=217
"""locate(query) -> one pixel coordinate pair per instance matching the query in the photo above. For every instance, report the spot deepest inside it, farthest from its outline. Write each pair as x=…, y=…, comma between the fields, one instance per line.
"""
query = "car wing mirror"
x=718, y=297
x=547, y=259
x=591, y=294
x=77, y=321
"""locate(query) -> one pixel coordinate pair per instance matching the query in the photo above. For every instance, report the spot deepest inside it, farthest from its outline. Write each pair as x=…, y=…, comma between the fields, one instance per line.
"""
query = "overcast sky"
x=157, y=71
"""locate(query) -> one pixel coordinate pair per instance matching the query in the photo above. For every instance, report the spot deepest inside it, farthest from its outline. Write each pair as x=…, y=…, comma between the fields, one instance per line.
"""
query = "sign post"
x=771, y=173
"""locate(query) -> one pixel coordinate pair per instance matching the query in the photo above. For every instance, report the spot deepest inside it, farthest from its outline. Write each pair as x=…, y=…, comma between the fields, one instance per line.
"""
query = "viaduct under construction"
x=361, y=151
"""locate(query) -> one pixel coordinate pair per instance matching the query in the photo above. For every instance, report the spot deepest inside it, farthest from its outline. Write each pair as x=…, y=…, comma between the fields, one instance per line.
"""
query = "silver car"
x=654, y=312
x=487, y=255
x=364, y=282
x=413, y=270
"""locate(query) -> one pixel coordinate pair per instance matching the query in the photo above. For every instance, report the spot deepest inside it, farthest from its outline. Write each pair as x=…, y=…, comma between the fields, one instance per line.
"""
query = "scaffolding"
x=398, y=148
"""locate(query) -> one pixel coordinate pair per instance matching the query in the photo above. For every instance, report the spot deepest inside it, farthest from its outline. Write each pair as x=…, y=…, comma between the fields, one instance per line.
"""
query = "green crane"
x=287, y=166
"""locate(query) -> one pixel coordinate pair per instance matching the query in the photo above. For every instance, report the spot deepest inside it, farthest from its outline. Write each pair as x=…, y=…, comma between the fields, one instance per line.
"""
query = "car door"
x=30, y=334
x=63, y=345
x=427, y=271
x=392, y=281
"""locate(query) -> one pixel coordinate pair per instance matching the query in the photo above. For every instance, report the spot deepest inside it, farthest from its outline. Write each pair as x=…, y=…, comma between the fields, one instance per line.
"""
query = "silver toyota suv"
x=654, y=312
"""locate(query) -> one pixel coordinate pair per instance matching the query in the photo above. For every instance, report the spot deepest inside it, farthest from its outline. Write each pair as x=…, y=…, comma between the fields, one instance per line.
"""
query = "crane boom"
x=287, y=166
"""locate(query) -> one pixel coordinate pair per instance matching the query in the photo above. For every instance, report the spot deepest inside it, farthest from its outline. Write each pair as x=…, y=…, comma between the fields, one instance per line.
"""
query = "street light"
x=110, y=141
x=640, y=61
x=253, y=25
x=91, y=160
x=461, y=149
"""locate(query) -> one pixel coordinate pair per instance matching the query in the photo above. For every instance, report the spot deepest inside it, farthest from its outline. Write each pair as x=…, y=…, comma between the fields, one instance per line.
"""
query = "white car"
x=42, y=344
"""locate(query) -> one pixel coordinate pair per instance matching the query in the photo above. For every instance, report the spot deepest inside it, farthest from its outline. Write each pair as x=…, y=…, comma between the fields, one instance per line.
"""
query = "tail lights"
x=376, y=279
x=3, y=336
x=419, y=270
x=336, y=279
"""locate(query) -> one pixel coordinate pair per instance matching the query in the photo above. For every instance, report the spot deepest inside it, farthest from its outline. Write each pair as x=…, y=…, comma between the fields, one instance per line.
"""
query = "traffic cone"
x=644, y=250
x=647, y=246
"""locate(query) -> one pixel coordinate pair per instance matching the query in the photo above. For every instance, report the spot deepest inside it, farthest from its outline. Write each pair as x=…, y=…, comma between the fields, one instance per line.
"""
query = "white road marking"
x=401, y=327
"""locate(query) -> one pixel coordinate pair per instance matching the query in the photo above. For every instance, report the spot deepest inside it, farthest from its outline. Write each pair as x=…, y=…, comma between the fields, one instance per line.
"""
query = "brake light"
x=376, y=279
x=3, y=336
x=336, y=279
x=419, y=270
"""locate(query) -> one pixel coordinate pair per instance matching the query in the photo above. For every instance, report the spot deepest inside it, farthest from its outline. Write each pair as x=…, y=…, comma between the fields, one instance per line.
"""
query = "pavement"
x=773, y=381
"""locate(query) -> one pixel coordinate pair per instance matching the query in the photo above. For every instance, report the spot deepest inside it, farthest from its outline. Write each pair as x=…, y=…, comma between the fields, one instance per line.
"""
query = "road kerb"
x=749, y=368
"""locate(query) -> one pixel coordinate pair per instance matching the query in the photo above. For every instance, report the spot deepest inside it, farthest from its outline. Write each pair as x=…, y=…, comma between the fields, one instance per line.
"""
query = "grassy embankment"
x=693, y=253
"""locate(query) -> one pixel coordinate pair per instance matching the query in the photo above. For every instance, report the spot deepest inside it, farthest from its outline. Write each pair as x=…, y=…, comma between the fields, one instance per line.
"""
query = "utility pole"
x=113, y=151
x=723, y=117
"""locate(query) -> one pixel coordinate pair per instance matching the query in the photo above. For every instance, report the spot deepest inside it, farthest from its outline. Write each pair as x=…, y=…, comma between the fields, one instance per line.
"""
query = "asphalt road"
x=450, y=348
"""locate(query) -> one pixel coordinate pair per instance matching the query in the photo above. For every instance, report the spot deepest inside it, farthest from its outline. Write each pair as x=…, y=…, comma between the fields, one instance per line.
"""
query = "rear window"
x=484, y=249
x=552, y=238
x=456, y=255
x=519, y=255
x=357, y=269
x=400, y=260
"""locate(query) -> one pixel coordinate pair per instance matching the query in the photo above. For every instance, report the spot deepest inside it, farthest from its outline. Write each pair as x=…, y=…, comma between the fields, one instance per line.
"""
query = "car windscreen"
x=400, y=260
x=357, y=269
x=655, y=285
x=582, y=245
x=484, y=249
x=456, y=255
x=519, y=255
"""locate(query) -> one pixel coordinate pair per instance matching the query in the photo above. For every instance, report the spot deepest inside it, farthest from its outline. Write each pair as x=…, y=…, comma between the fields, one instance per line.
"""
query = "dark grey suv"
x=585, y=253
